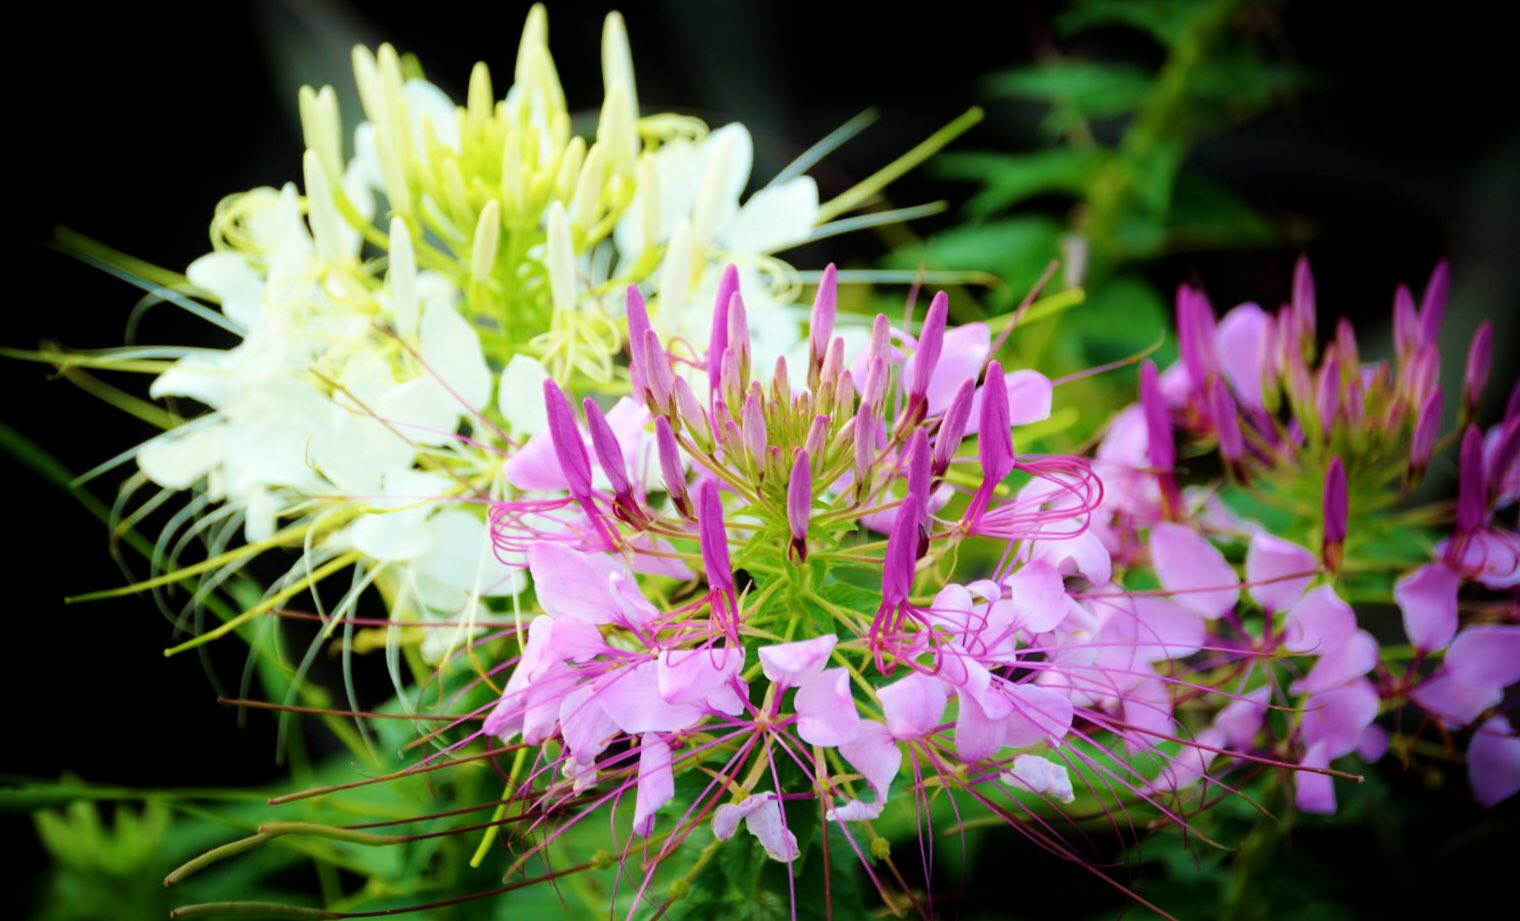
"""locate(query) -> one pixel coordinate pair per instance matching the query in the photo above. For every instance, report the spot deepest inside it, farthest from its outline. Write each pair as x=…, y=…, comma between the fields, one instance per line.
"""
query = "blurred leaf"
x=1164, y=20
x=1016, y=249
x=1208, y=215
x=1010, y=179
x=1077, y=90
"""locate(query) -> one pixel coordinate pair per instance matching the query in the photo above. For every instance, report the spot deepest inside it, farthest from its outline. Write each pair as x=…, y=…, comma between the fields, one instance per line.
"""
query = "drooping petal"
x=573, y=584
x=826, y=710
x=1038, y=597
x=1039, y=714
x=657, y=783
x=874, y=753
x=1314, y=792
x=1042, y=776
x=913, y=705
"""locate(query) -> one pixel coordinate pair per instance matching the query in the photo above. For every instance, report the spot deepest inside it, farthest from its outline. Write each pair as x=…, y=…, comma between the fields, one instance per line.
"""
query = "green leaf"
x=1016, y=249
x=1164, y=20
x=1011, y=179
x=1208, y=215
x=1076, y=89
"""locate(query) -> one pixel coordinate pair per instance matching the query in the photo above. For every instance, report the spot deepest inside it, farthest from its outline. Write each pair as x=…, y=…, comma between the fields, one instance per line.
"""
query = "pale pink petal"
x=689, y=676
x=1038, y=597
x=1241, y=339
x=657, y=783
x=1278, y=571
x=1336, y=718
x=874, y=753
x=573, y=584
x=1240, y=720
x=584, y=725
x=1314, y=792
x=976, y=734
x=1318, y=623
x=1193, y=569
x=1039, y=714
x=854, y=811
x=1453, y=702
x=1148, y=714
x=1029, y=396
x=1428, y=599
x=631, y=699
x=826, y=710
x=1340, y=662
x=1493, y=762
x=1165, y=630
x=1486, y=656
x=1042, y=776
x=767, y=822
x=913, y=705
x=789, y=664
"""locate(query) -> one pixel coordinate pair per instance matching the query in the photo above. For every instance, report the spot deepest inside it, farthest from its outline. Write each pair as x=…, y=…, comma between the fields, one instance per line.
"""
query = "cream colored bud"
x=402, y=279
x=487, y=238
x=561, y=259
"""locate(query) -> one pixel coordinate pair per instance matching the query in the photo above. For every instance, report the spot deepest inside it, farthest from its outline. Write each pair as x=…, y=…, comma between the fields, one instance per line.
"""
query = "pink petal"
x=1148, y=713
x=874, y=753
x=1486, y=656
x=913, y=705
x=1083, y=554
x=976, y=735
x=1039, y=714
x=1042, y=776
x=631, y=699
x=767, y=822
x=1029, y=396
x=1452, y=701
x=1268, y=561
x=826, y=710
x=690, y=676
x=1340, y=663
x=1192, y=568
x=789, y=664
x=1428, y=599
x=1241, y=338
x=1493, y=762
x=1314, y=792
x=1336, y=718
x=963, y=351
x=657, y=783
x=854, y=811
x=584, y=725
x=573, y=584
x=1165, y=630
x=1240, y=720
x=1038, y=597
x=1318, y=623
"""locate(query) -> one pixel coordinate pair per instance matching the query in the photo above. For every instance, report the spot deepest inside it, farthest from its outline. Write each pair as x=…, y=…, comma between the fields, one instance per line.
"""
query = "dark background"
x=134, y=120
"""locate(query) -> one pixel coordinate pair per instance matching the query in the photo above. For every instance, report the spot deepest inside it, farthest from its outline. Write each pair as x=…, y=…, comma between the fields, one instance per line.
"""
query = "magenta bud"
x=902, y=555
x=1158, y=420
x=689, y=411
x=825, y=308
x=658, y=376
x=728, y=286
x=1512, y=406
x=781, y=383
x=1433, y=304
x=1426, y=427
x=1335, y=513
x=799, y=502
x=876, y=383
x=1480, y=356
x=755, y=435
x=995, y=437
x=1195, y=336
x=952, y=427
x=865, y=448
x=738, y=331
x=1502, y=461
x=1472, y=485
x=1304, y=310
x=1356, y=404
x=881, y=338
x=814, y=444
x=1327, y=396
x=672, y=471
x=638, y=325
x=931, y=340
x=918, y=482
x=1406, y=323
x=1345, y=345
x=609, y=454
x=732, y=383
x=712, y=536
x=565, y=436
x=1226, y=423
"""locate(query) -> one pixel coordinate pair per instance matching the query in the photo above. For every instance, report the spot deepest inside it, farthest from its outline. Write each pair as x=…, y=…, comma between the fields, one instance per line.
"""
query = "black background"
x=128, y=122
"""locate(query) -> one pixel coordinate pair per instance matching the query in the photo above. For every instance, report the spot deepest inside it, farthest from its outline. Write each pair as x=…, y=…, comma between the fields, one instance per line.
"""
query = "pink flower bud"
x=1406, y=323
x=1426, y=427
x=609, y=454
x=821, y=324
x=689, y=412
x=1226, y=423
x=1479, y=357
x=672, y=471
x=1158, y=420
x=1472, y=484
x=995, y=434
x=755, y=435
x=569, y=450
x=930, y=341
x=728, y=286
x=1335, y=514
x=638, y=325
x=952, y=427
x=799, y=502
x=738, y=331
x=902, y=555
x=814, y=444
x=713, y=537
x=865, y=448
x=1304, y=310
x=1433, y=304
x=658, y=377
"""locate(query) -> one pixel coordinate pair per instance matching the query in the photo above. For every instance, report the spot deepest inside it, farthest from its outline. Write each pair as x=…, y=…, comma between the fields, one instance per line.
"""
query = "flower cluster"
x=1323, y=450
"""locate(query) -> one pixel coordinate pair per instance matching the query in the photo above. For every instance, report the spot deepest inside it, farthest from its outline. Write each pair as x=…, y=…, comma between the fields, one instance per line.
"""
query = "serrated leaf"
x=1011, y=179
x=1077, y=89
